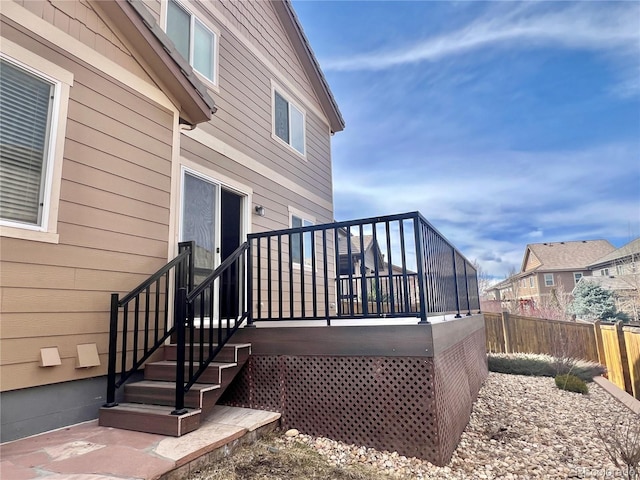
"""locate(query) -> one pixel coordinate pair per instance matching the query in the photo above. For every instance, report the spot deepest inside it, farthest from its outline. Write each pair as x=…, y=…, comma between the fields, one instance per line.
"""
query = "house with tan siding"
x=167, y=238
x=549, y=269
x=151, y=123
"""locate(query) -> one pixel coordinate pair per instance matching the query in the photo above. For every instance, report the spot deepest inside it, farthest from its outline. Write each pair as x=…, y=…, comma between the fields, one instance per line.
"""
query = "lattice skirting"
x=417, y=406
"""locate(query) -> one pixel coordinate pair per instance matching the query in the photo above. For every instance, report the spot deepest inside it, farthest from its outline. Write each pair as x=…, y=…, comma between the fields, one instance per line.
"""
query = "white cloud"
x=610, y=27
x=491, y=213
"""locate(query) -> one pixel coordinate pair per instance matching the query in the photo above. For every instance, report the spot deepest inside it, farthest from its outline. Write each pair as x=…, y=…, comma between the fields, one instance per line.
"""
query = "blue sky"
x=504, y=123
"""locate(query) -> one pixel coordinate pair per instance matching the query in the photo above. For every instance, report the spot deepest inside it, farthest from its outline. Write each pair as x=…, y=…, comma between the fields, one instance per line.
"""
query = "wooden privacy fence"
x=613, y=345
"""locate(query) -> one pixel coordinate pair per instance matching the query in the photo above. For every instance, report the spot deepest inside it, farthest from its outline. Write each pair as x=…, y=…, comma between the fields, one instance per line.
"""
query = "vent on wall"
x=87, y=355
x=49, y=357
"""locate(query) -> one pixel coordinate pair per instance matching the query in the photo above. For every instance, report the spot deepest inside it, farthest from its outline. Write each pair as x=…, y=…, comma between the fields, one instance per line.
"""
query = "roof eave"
x=292, y=25
x=139, y=27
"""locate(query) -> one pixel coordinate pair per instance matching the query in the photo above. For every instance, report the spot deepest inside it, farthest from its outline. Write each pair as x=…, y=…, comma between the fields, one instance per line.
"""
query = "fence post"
x=624, y=358
x=506, y=332
x=602, y=357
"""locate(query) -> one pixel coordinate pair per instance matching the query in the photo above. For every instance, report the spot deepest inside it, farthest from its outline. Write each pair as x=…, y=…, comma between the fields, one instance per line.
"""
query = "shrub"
x=571, y=383
x=540, y=365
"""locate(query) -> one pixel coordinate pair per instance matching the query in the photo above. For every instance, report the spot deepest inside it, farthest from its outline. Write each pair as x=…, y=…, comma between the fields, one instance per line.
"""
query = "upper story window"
x=192, y=39
x=548, y=280
x=531, y=282
x=288, y=122
x=576, y=277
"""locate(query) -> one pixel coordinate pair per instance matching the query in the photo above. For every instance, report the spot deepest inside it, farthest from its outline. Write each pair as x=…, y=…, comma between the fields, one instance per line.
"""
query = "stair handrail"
x=187, y=375
x=183, y=278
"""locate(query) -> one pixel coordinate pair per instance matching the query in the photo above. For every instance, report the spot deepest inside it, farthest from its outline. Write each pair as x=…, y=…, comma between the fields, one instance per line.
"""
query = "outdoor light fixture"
x=260, y=211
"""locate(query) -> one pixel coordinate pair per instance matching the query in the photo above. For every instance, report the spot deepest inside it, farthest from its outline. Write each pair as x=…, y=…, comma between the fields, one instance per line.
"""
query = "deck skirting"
x=415, y=405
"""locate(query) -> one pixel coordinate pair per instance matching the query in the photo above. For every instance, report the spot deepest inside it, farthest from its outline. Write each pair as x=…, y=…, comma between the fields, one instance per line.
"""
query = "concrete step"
x=150, y=419
x=202, y=396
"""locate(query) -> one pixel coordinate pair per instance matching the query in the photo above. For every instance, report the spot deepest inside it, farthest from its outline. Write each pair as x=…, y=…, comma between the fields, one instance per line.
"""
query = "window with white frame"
x=288, y=122
x=298, y=255
x=548, y=279
x=604, y=272
x=27, y=101
x=531, y=282
x=192, y=39
x=576, y=277
x=619, y=269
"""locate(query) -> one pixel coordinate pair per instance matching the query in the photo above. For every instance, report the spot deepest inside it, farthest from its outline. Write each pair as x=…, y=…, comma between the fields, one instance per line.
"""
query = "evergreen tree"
x=592, y=302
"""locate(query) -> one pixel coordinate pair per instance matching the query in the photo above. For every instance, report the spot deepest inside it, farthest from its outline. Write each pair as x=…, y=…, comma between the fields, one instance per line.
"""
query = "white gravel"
x=521, y=427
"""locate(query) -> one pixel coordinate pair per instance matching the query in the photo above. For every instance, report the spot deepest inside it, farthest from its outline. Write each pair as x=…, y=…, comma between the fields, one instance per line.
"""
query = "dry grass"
x=272, y=459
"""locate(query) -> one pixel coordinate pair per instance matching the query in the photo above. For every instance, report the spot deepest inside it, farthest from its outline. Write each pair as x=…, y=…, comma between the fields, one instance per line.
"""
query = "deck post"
x=417, y=230
x=113, y=341
x=249, y=254
x=181, y=304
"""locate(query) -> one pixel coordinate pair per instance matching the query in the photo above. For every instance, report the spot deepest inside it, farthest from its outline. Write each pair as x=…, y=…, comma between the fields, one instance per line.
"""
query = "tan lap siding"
x=113, y=224
x=80, y=20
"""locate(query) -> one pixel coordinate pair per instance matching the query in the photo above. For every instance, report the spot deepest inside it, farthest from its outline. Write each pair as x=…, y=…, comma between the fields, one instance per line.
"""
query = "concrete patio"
x=88, y=451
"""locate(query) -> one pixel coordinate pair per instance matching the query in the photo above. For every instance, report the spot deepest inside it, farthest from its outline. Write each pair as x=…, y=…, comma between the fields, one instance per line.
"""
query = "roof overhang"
x=177, y=76
x=292, y=26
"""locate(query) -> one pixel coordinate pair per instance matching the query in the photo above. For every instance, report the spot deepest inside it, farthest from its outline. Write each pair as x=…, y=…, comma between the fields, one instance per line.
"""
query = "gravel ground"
x=521, y=427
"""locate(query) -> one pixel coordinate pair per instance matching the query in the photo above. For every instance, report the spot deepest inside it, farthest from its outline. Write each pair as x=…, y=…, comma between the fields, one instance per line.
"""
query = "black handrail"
x=226, y=286
x=180, y=272
x=414, y=271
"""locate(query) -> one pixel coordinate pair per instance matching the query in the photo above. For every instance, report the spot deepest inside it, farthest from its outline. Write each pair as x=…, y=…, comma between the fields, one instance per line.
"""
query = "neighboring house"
x=619, y=272
x=622, y=261
x=550, y=268
x=128, y=127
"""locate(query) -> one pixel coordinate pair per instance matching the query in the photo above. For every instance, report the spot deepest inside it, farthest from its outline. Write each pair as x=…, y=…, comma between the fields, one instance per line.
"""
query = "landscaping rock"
x=520, y=427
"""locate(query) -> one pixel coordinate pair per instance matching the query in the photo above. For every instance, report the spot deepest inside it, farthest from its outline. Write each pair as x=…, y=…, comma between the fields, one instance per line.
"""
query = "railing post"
x=250, y=284
x=417, y=230
x=455, y=281
x=180, y=321
x=466, y=279
x=113, y=346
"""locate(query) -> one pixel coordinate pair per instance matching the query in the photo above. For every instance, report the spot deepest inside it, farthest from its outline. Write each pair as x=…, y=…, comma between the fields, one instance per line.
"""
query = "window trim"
x=62, y=80
x=546, y=283
x=193, y=16
x=304, y=217
x=576, y=280
x=276, y=88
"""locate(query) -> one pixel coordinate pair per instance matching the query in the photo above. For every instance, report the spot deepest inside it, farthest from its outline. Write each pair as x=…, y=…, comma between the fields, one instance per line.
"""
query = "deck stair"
x=148, y=404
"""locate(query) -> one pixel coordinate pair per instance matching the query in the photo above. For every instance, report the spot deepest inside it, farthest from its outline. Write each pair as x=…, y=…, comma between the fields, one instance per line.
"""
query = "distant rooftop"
x=631, y=248
x=569, y=255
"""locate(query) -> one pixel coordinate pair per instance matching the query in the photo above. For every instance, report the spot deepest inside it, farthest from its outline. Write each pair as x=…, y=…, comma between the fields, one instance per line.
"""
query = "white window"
x=33, y=105
x=604, y=272
x=192, y=39
x=531, y=282
x=619, y=269
x=288, y=122
x=576, y=277
x=548, y=279
x=298, y=256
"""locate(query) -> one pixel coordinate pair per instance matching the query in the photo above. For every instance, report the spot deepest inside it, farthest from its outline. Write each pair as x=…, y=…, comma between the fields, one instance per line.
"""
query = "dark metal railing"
x=210, y=314
x=391, y=266
x=145, y=315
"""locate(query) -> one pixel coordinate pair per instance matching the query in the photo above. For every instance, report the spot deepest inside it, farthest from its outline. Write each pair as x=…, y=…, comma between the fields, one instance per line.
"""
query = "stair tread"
x=171, y=385
x=149, y=409
x=212, y=364
x=236, y=345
